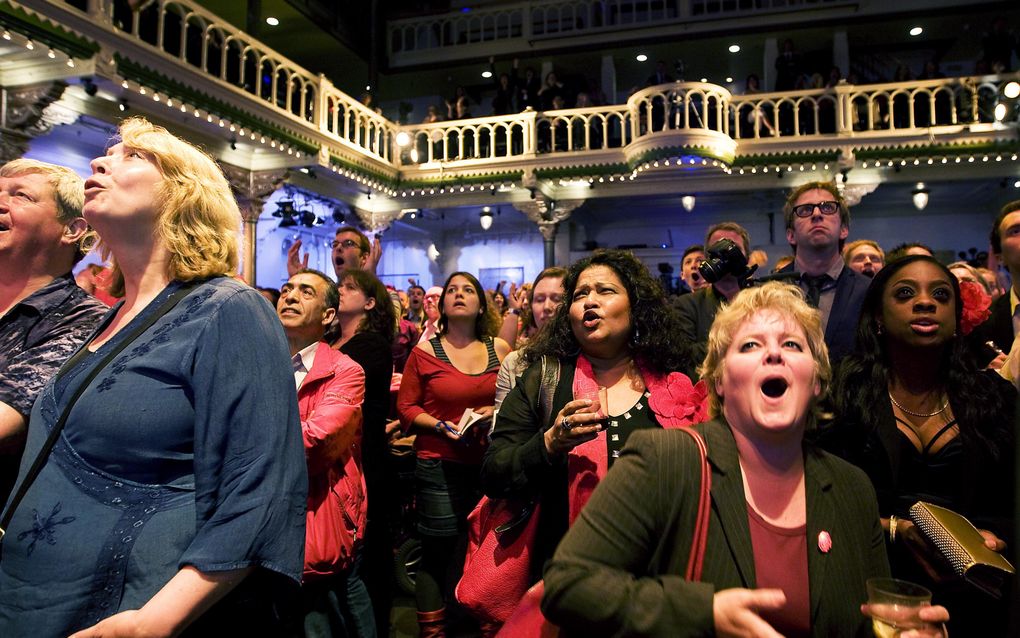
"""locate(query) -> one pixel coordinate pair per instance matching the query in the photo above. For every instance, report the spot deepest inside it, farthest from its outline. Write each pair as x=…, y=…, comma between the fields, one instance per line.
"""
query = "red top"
x=439, y=389
x=780, y=562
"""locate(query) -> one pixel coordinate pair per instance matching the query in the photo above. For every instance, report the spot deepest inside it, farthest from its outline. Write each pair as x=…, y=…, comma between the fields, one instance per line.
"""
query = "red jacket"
x=329, y=401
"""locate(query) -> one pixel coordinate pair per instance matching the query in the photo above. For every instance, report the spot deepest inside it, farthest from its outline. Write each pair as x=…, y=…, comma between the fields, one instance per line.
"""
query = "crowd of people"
x=166, y=473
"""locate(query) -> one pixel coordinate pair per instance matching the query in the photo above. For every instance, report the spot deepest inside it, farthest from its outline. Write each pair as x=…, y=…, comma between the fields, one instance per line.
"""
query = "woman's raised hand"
x=516, y=298
x=579, y=421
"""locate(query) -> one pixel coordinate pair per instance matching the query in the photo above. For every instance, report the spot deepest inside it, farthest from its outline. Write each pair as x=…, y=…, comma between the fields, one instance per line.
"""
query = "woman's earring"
x=635, y=338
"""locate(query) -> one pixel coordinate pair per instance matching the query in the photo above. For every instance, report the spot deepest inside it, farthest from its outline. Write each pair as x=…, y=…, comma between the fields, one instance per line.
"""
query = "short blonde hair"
x=848, y=250
x=787, y=301
x=68, y=193
x=198, y=216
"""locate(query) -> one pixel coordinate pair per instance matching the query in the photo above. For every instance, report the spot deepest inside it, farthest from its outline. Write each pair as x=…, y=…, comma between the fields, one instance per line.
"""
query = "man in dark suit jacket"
x=817, y=224
x=1005, y=240
x=697, y=310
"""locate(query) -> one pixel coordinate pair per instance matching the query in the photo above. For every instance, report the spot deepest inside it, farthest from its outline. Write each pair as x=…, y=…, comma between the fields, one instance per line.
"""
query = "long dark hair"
x=485, y=323
x=380, y=318
x=862, y=381
x=655, y=324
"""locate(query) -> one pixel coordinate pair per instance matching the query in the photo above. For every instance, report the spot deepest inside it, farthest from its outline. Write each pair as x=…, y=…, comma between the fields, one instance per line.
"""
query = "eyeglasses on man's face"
x=806, y=210
x=343, y=243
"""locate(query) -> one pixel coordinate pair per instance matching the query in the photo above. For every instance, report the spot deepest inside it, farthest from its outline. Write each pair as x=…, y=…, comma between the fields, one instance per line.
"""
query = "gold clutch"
x=963, y=547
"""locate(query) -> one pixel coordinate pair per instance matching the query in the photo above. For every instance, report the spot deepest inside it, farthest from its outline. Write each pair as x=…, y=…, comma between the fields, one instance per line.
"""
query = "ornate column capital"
x=547, y=213
x=29, y=111
x=376, y=221
x=251, y=188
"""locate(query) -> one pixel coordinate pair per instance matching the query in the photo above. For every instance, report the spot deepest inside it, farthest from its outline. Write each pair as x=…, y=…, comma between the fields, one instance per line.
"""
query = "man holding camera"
x=697, y=310
x=817, y=225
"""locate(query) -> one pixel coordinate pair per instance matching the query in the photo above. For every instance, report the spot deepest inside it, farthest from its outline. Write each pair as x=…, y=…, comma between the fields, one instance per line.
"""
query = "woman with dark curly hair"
x=444, y=376
x=367, y=324
x=620, y=370
x=916, y=413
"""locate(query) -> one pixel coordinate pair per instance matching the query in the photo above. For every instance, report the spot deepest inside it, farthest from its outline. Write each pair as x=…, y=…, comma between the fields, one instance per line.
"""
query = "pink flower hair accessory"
x=976, y=304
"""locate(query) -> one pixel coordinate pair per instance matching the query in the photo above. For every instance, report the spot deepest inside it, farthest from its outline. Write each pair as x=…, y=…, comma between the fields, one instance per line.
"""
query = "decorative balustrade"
x=657, y=119
x=543, y=18
x=699, y=113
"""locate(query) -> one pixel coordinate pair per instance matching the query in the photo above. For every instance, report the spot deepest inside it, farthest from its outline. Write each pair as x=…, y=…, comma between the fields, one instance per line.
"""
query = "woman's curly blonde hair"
x=198, y=218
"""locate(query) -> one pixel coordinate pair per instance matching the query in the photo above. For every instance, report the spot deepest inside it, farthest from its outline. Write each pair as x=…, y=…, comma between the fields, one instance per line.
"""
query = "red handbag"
x=501, y=533
x=528, y=620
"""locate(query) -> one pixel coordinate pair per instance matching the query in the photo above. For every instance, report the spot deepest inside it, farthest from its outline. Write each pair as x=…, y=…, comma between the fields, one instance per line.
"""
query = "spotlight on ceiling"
x=916, y=31
x=308, y=219
x=920, y=196
x=688, y=202
x=485, y=218
x=641, y=57
x=486, y=74
x=271, y=21
x=285, y=211
x=734, y=48
x=123, y=106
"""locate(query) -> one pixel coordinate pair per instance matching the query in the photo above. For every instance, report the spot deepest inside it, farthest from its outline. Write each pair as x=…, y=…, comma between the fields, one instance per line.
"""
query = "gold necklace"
x=919, y=414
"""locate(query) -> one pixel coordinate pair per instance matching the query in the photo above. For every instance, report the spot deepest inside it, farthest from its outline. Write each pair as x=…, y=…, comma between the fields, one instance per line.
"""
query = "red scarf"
x=675, y=401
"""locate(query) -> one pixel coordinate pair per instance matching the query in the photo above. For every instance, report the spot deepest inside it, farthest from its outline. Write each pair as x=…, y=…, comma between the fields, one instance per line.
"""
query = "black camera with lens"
x=725, y=258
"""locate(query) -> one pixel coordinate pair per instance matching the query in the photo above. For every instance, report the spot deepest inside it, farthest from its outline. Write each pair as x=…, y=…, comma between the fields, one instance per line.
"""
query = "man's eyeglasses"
x=343, y=243
x=806, y=210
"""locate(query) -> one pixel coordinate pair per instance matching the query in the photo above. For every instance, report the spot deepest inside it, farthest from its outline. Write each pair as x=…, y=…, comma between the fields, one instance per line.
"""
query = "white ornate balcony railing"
x=206, y=42
x=227, y=70
x=542, y=18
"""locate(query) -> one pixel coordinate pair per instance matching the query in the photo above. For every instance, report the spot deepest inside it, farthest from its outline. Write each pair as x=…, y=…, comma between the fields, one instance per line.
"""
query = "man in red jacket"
x=330, y=390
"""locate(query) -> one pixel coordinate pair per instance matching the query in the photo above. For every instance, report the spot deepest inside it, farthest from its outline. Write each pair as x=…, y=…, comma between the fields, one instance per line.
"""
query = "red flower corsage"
x=976, y=306
x=678, y=402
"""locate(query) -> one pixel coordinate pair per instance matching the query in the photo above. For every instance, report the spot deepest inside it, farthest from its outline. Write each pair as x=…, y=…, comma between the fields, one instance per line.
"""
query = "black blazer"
x=998, y=328
x=619, y=569
x=841, y=330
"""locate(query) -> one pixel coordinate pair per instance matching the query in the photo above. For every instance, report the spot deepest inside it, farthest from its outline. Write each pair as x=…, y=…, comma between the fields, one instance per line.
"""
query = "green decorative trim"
x=786, y=158
x=363, y=171
x=462, y=180
x=901, y=152
x=678, y=151
x=178, y=91
x=38, y=30
x=583, y=171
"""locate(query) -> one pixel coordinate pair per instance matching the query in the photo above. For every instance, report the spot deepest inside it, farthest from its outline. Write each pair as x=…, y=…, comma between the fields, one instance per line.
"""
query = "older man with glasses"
x=817, y=225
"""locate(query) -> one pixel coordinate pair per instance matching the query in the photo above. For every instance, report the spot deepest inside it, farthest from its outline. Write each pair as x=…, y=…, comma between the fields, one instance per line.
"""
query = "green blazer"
x=619, y=570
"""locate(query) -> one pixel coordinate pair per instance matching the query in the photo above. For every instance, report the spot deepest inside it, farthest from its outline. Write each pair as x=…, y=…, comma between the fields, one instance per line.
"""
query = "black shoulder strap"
x=58, y=427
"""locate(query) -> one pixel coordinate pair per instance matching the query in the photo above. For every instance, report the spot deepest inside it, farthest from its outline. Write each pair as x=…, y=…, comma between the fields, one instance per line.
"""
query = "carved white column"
x=251, y=189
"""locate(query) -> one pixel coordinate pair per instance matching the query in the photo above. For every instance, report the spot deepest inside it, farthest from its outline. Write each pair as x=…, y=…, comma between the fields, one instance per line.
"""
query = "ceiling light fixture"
x=920, y=196
x=271, y=21
x=485, y=218
x=916, y=31
x=734, y=48
x=688, y=202
x=486, y=74
x=641, y=57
